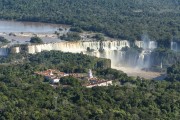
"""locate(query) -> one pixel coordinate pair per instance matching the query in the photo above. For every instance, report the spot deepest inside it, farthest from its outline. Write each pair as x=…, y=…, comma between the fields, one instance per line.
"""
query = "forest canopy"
x=25, y=95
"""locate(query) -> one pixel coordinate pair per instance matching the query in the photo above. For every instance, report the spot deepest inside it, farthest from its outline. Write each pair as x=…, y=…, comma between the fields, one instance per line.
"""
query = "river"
x=21, y=32
x=34, y=27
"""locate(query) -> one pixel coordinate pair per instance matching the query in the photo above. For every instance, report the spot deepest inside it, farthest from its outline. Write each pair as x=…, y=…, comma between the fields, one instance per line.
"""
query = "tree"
x=3, y=40
x=70, y=81
x=98, y=37
x=76, y=29
x=36, y=40
x=71, y=37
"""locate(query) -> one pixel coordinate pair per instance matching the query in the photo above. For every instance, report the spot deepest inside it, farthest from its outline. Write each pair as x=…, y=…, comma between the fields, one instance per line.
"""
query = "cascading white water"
x=139, y=44
x=146, y=44
x=4, y=51
x=144, y=57
x=15, y=50
x=140, y=61
x=152, y=45
x=77, y=47
x=104, y=49
x=174, y=46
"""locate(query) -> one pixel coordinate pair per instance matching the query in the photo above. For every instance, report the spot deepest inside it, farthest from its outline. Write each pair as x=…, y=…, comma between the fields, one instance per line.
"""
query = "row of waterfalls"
x=105, y=49
x=80, y=46
x=119, y=52
x=175, y=46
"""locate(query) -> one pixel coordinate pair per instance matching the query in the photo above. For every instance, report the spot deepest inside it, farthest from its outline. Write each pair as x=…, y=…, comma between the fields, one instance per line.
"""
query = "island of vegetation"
x=36, y=40
x=3, y=41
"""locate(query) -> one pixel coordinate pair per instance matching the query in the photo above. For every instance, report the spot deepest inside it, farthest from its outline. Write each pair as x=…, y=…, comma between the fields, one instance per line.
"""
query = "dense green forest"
x=174, y=72
x=124, y=19
x=69, y=62
x=25, y=95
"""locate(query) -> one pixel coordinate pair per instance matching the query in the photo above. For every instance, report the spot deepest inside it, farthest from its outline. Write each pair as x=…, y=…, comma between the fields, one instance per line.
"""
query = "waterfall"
x=174, y=46
x=104, y=49
x=144, y=57
x=4, y=51
x=77, y=47
x=152, y=45
x=15, y=50
x=139, y=44
x=140, y=61
x=146, y=44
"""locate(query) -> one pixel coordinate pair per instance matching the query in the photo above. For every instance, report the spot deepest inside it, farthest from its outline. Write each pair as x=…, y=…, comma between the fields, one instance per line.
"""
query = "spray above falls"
x=136, y=57
x=144, y=59
x=147, y=43
x=175, y=46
